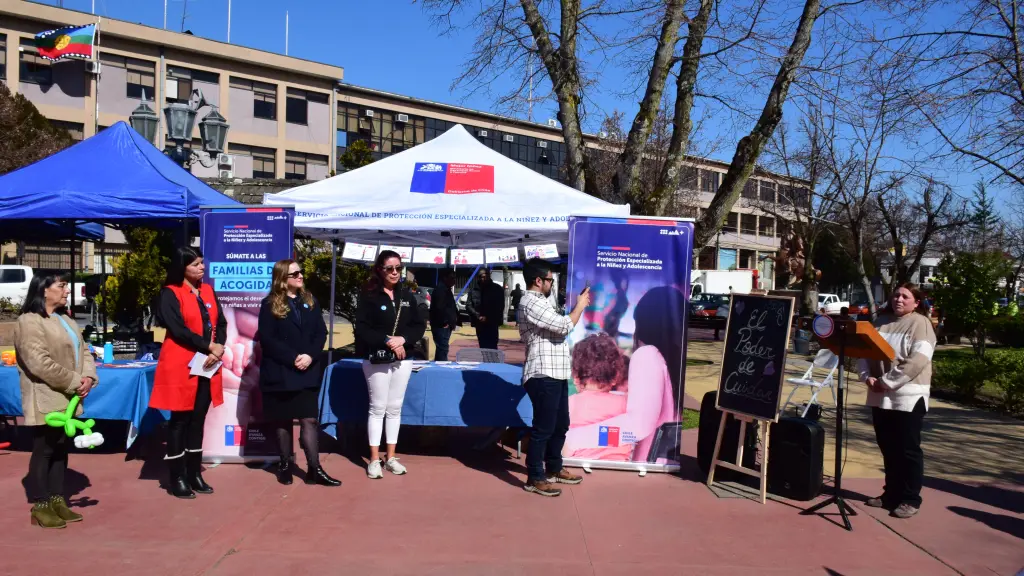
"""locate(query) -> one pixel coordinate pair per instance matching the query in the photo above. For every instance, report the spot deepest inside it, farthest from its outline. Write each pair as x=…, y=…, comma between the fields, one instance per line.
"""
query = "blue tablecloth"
x=486, y=395
x=122, y=394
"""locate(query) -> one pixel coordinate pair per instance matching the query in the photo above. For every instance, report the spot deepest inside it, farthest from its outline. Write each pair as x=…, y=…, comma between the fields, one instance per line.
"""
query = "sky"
x=393, y=45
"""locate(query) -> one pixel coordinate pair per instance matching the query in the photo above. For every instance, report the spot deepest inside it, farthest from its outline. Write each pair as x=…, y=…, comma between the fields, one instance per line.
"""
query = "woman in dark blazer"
x=292, y=335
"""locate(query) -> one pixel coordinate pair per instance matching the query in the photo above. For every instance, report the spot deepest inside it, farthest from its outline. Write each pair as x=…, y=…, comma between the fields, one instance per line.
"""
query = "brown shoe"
x=60, y=506
x=44, y=516
x=542, y=487
x=565, y=477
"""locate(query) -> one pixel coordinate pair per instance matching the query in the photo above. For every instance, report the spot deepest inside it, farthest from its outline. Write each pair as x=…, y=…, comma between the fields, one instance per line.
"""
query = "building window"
x=141, y=75
x=264, y=97
x=3, y=56
x=297, y=105
x=297, y=165
x=768, y=191
x=748, y=224
x=33, y=68
x=750, y=189
x=731, y=222
x=382, y=132
x=263, y=165
x=74, y=129
x=766, y=226
x=709, y=181
x=180, y=82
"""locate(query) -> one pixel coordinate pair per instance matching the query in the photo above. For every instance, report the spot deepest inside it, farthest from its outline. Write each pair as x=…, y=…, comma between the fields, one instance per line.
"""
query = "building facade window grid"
x=179, y=82
x=263, y=159
x=264, y=96
x=3, y=56
x=33, y=68
x=297, y=105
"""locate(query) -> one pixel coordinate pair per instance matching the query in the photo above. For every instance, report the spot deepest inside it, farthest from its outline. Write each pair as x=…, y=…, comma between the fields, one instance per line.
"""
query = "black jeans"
x=185, y=430
x=48, y=463
x=441, y=338
x=898, y=435
x=487, y=335
x=550, y=400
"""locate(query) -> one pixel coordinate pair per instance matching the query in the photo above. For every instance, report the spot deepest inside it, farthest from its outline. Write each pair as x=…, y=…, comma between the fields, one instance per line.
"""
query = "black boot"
x=177, y=485
x=194, y=472
x=284, y=471
x=318, y=476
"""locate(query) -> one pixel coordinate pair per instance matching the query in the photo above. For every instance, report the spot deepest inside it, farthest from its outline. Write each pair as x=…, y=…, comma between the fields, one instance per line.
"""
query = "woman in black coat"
x=292, y=335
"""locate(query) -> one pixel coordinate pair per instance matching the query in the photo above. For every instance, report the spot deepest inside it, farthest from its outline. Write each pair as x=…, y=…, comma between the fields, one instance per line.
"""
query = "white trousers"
x=386, y=383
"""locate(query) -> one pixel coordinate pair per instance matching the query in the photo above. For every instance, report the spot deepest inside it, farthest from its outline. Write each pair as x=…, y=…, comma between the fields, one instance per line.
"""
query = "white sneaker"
x=373, y=470
x=395, y=467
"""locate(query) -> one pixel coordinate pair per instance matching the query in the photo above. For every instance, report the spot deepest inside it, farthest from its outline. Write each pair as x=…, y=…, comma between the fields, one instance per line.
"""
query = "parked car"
x=831, y=304
x=709, y=311
x=14, y=283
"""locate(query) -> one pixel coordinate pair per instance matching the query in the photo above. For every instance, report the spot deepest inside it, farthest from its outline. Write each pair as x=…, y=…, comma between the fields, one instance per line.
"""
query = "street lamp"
x=145, y=121
x=213, y=130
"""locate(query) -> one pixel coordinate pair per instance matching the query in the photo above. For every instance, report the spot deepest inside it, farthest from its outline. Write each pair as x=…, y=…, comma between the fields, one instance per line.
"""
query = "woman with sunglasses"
x=388, y=323
x=292, y=335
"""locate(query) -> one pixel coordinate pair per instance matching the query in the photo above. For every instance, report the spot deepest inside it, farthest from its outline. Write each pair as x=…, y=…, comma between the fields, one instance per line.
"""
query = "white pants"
x=387, y=383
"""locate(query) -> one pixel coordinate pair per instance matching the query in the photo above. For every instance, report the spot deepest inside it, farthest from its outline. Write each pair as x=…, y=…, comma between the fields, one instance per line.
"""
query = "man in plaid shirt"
x=546, y=377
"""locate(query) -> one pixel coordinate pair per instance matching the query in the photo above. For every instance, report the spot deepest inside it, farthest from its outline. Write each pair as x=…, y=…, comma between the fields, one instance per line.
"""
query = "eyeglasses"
x=392, y=269
x=295, y=274
x=548, y=279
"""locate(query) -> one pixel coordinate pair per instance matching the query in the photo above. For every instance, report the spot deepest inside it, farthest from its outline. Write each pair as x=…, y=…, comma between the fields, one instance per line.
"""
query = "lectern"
x=856, y=340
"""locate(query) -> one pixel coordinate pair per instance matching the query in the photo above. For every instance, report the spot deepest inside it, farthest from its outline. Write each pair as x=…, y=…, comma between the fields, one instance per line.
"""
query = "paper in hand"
x=197, y=363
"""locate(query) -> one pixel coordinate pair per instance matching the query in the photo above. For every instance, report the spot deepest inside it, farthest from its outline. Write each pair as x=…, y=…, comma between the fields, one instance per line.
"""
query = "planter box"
x=7, y=333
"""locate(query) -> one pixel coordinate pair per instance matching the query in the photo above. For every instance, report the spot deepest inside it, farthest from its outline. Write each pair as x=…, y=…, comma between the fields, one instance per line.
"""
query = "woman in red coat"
x=195, y=323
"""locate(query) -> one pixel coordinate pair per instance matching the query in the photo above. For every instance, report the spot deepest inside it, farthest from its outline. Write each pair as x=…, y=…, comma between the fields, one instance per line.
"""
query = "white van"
x=14, y=283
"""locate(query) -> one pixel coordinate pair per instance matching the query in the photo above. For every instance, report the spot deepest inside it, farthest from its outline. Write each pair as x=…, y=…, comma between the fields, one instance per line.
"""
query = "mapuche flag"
x=67, y=42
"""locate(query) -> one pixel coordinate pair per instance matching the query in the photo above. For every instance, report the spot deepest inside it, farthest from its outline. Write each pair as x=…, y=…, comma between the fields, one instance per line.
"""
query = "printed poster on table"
x=629, y=349
x=240, y=247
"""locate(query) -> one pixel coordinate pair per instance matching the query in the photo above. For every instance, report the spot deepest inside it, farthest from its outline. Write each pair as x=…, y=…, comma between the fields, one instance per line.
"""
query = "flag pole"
x=96, y=78
x=285, y=32
x=229, y=21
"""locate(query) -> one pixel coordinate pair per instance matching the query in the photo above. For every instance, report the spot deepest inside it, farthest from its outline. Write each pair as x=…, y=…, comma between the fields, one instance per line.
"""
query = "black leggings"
x=898, y=435
x=185, y=430
x=48, y=464
x=308, y=439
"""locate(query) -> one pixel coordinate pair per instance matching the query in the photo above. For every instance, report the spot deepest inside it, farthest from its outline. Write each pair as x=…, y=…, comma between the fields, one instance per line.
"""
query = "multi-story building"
x=292, y=119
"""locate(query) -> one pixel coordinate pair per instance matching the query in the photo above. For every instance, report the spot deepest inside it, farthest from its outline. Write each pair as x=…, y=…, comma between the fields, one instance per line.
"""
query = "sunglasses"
x=392, y=269
x=295, y=274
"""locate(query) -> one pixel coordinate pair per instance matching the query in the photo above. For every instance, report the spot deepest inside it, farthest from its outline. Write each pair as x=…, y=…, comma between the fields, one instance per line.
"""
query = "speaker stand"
x=845, y=510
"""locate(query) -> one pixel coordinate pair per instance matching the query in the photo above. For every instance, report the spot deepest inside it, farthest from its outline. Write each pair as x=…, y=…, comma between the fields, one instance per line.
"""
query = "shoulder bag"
x=387, y=355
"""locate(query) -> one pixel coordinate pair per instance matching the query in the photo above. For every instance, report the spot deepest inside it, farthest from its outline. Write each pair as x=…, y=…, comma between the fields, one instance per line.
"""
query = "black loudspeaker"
x=796, y=450
x=707, y=433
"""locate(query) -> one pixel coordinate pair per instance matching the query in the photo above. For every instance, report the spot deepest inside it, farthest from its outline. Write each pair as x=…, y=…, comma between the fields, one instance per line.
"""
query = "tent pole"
x=103, y=282
x=334, y=275
x=71, y=302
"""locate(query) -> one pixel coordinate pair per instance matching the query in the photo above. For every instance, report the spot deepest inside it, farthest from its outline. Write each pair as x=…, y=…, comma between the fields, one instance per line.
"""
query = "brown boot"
x=60, y=506
x=565, y=477
x=44, y=516
x=542, y=487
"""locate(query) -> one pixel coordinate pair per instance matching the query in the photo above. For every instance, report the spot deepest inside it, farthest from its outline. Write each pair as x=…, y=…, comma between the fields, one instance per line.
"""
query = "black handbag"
x=387, y=355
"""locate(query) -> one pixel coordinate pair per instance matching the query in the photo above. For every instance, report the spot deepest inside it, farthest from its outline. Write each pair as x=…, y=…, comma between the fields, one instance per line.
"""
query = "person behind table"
x=292, y=335
x=516, y=296
x=195, y=323
x=54, y=365
x=444, y=316
x=376, y=330
x=898, y=394
x=485, y=307
x=546, y=377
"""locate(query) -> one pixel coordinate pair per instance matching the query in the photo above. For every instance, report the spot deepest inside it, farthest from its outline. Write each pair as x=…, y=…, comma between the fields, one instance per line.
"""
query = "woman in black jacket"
x=385, y=341
x=292, y=335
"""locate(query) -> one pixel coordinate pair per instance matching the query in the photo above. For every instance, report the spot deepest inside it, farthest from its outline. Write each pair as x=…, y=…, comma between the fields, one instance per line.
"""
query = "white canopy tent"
x=450, y=191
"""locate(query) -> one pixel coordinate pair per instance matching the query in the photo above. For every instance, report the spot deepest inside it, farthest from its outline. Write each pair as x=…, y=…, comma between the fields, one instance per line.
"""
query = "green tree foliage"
x=357, y=155
x=315, y=257
x=139, y=274
x=27, y=135
x=968, y=293
x=985, y=224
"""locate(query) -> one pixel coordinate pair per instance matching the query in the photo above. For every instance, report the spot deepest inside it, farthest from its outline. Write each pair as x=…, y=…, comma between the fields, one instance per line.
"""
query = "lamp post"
x=180, y=119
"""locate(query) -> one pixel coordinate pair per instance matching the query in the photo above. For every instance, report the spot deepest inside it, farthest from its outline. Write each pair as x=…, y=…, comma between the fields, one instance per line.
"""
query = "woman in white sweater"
x=898, y=396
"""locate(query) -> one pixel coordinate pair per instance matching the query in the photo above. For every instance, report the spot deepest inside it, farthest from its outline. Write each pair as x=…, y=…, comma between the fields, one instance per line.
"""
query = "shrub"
x=966, y=376
x=1007, y=330
x=1008, y=376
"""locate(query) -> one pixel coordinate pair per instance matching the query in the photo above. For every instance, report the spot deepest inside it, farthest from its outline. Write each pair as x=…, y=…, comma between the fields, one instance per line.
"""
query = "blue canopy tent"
x=115, y=177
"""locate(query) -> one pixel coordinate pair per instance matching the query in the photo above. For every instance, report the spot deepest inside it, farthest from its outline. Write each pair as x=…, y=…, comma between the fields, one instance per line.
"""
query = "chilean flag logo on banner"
x=608, y=436
x=452, y=178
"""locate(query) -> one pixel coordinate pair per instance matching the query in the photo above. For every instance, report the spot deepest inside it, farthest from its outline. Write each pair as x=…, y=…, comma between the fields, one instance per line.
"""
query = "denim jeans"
x=898, y=435
x=550, y=400
x=441, y=338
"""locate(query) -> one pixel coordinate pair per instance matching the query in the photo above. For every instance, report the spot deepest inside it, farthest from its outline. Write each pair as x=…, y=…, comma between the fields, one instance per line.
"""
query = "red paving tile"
x=469, y=516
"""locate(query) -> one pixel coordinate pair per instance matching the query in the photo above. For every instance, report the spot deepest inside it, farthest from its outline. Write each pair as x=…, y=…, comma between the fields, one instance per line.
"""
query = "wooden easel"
x=737, y=466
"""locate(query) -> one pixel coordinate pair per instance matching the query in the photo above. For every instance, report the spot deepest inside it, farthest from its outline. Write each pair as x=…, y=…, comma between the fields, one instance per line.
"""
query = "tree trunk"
x=563, y=68
x=682, y=123
x=808, y=284
x=632, y=157
x=749, y=147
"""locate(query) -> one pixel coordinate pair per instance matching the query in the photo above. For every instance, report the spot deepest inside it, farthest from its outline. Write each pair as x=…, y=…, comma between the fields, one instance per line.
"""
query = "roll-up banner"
x=240, y=247
x=629, y=349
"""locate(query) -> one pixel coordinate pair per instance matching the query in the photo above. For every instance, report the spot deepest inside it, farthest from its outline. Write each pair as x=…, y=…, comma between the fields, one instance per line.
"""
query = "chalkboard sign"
x=754, y=358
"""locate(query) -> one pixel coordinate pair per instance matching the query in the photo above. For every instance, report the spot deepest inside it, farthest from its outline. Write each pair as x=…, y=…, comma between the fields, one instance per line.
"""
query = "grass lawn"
x=691, y=418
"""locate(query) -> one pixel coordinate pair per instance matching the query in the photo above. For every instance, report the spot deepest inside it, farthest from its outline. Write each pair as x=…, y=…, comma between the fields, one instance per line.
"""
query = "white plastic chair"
x=825, y=360
x=482, y=355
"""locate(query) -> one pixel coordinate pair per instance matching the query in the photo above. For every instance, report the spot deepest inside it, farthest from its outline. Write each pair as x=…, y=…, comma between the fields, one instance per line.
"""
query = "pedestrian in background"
x=485, y=307
x=444, y=316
